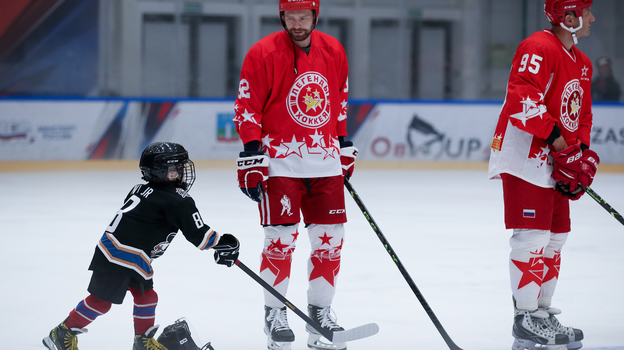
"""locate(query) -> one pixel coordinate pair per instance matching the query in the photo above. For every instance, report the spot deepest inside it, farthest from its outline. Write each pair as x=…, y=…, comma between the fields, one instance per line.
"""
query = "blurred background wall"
x=101, y=79
x=397, y=49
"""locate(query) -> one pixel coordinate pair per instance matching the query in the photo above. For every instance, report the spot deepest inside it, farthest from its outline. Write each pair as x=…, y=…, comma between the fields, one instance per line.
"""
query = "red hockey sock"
x=144, y=309
x=87, y=311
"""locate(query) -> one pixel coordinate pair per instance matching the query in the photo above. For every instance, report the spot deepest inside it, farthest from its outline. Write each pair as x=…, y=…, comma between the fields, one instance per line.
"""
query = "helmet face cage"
x=187, y=175
x=555, y=10
x=159, y=159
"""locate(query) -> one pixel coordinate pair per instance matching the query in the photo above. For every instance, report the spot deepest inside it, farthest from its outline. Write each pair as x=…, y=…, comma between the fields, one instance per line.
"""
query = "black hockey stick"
x=604, y=204
x=337, y=337
x=398, y=263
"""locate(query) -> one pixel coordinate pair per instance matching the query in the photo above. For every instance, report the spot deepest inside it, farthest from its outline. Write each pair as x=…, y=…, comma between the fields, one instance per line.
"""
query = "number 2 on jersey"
x=533, y=66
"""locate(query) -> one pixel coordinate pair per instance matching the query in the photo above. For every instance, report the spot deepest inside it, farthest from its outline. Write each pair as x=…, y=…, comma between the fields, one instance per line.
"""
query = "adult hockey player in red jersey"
x=140, y=232
x=291, y=117
x=541, y=151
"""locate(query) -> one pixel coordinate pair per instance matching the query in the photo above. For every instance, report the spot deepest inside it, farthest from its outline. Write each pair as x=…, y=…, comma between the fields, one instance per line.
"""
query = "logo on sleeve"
x=308, y=100
x=571, y=102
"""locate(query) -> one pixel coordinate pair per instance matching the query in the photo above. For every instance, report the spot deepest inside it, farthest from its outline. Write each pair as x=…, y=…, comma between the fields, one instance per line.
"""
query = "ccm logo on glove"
x=244, y=163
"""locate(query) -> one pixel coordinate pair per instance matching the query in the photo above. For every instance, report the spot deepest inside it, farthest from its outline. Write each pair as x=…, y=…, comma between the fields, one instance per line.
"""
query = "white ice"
x=445, y=226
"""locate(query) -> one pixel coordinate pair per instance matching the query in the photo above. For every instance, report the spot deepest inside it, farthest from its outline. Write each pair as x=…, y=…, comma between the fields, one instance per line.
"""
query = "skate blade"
x=316, y=342
x=273, y=345
x=48, y=343
x=523, y=344
x=575, y=345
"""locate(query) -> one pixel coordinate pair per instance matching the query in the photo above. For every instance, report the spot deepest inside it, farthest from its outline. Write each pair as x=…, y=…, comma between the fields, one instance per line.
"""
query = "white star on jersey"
x=294, y=147
x=317, y=139
x=266, y=141
x=248, y=117
x=530, y=109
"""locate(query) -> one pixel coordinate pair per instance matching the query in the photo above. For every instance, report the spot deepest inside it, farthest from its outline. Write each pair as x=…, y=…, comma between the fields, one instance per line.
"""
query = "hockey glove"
x=348, y=153
x=589, y=165
x=253, y=173
x=226, y=251
x=567, y=168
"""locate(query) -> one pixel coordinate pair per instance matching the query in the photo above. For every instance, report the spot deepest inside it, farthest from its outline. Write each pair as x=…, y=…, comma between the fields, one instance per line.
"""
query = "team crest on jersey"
x=308, y=100
x=160, y=248
x=571, y=102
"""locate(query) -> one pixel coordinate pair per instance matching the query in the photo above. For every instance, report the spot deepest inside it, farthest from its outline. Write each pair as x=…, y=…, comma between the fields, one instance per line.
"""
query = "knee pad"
x=529, y=240
x=279, y=244
x=144, y=313
x=280, y=240
x=326, y=237
x=557, y=240
x=145, y=302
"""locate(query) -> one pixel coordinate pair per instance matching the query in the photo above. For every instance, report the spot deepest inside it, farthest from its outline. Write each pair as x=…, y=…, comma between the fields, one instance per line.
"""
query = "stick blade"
x=356, y=333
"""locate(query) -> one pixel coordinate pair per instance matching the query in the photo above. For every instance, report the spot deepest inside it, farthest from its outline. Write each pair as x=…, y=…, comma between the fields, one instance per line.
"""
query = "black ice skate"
x=63, y=338
x=532, y=333
x=575, y=335
x=146, y=341
x=325, y=317
x=279, y=334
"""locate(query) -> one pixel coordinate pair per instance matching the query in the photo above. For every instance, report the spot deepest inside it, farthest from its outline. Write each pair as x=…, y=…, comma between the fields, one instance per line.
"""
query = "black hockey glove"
x=226, y=251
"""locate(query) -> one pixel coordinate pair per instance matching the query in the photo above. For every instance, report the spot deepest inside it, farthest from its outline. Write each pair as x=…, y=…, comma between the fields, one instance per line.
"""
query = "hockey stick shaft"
x=398, y=263
x=604, y=204
x=325, y=332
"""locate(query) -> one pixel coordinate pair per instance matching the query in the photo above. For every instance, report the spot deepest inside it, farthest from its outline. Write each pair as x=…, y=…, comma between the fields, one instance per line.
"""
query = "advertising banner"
x=427, y=131
x=48, y=130
x=461, y=132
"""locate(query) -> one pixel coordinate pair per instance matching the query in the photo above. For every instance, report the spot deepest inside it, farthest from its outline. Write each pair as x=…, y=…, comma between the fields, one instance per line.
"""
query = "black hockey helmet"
x=160, y=159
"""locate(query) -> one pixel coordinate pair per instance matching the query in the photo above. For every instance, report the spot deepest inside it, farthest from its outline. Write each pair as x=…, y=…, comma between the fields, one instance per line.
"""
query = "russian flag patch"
x=528, y=213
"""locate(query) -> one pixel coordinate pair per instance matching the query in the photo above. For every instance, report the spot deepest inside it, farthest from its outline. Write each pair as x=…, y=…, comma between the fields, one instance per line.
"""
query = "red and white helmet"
x=295, y=5
x=555, y=10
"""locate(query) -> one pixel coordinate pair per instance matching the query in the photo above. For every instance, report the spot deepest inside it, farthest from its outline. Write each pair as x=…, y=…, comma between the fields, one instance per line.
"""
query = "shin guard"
x=552, y=261
x=86, y=312
x=324, y=262
x=279, y=244
x=526, y=266
x=144, y=314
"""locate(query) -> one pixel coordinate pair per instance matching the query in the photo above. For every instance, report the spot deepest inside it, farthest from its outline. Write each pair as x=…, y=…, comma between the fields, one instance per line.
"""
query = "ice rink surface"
x=446, y=226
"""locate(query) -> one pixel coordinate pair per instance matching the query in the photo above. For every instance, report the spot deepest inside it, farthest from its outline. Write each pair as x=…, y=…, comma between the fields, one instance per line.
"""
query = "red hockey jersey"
x=548, y=86
x=295, y=104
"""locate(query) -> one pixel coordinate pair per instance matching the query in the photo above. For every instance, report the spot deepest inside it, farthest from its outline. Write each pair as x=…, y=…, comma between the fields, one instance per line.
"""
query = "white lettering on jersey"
x=308, y=100
x=199, y=223
x=571, y=102
x=534, y=65
x=243, y=87
x=147, y=192
x=130, y=204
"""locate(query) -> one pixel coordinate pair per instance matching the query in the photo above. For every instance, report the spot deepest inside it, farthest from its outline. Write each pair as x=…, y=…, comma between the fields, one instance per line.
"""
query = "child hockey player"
x=141, y=231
